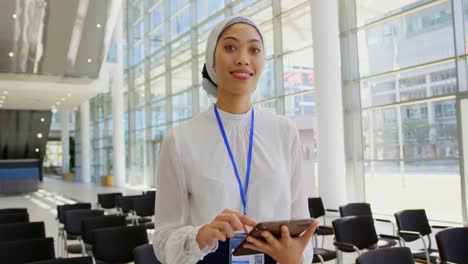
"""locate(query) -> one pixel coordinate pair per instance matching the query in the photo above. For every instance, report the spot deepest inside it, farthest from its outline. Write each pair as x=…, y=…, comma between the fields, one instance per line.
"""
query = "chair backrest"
x=355, y=209
x=452, y=243
x=61, y=209
x=116, y=244
x=144, y=206
x=151, y=194
x=316, y=208
x=77, y=260
x=413, y=220
x=18, y=231
x=73, y=219
x=13, y=211
x=356, y=230
x=28, y=250
x=126, y=202
x=400, y=255
x=14, y=218
x=90, y=224
x=145, y=255
x=108, y=200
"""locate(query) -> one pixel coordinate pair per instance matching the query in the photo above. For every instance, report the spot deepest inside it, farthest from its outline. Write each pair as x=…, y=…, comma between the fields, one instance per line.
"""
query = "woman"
x=203, y=194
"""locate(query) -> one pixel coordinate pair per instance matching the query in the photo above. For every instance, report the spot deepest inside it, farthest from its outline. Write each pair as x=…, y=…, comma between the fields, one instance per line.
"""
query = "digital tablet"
x=296, y=228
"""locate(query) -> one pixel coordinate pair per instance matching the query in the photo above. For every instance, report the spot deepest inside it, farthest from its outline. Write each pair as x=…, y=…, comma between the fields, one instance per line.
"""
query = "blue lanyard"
x=242, y=191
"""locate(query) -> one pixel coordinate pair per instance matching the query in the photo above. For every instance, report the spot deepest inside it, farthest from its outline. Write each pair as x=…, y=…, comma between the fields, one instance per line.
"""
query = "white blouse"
x=196, y=180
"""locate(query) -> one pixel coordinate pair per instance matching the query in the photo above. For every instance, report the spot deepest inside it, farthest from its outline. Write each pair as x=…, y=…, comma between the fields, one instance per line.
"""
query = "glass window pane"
x=158, y=113
x=206, y=8
x=430, y=130
x=181, y=22
x=139, y=96
x=157, y=65
x=182, y=106
x=417, y=84
x=371, y=10
x=297, y=29
x=266, y=86
x=380, y=134
x=268, y=106
x=158, y=89
x=403, y=182
x=139, y=74
x=156, y=40
x=414, y=39
x=156, y=17
x=298, y=72
x=288, y=4
x=300, y=105
x=181, y=78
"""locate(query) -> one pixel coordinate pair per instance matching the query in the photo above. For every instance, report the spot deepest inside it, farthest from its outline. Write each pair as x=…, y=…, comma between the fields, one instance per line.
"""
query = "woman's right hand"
x=222, y=227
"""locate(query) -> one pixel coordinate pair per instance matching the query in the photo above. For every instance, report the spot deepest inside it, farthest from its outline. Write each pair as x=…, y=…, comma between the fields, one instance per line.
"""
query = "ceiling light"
x=58, y=103
x=3, y=96
x=63, y=99
x=13, y=16
x=69, y=94
x=11, y=54
x=89, y=60
x=39, y=135
x=54, y=110
x=98, y=25
x=42, y=119
x=5, y=92
x=37, y=149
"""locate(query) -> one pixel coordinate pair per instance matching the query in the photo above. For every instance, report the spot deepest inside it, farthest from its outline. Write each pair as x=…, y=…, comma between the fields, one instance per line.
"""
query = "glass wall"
x=166, y=47
x=408, y=80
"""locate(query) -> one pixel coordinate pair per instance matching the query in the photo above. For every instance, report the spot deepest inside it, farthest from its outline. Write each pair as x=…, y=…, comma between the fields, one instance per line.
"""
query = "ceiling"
x=52, y=51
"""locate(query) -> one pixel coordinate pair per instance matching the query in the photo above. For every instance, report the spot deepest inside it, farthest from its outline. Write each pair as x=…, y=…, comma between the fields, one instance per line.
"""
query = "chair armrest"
x=440, y=227
x=406, y=232
x=325, y=227
x=390, y=237
x=332, y=210
x=345, y=246
x=382, y=220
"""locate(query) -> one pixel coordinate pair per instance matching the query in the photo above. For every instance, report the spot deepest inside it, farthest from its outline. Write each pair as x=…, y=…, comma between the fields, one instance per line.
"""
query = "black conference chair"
x=108, y=200
x=452, y=244
x=116, y=244
x=355, y=233
x=61, y=209
x=400, y=255
x=413, y=225
x=14, y=218
x=317, y=211
x=28, y=250
x=88, y=225
x=143, y=208
x=72, y=227
x=20, y=231
x=77, y=260
x=124, y=205
x=144, y=254
x=356, y=209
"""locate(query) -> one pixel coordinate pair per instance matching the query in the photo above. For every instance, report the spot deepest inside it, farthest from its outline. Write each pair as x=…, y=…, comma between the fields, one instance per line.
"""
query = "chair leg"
x=83, y=247
x=65, y=246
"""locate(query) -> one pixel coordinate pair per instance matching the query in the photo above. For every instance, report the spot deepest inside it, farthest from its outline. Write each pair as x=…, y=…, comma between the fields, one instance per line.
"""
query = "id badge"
x=247, y=259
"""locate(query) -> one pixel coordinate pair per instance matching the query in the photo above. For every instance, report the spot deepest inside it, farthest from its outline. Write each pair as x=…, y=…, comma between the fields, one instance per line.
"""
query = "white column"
x=118, y=131
x=331, y=155
x=85, y=143
x=65, y=138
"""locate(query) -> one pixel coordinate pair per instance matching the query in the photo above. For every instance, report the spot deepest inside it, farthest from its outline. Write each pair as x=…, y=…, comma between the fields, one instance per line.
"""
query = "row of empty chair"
x=355, y=231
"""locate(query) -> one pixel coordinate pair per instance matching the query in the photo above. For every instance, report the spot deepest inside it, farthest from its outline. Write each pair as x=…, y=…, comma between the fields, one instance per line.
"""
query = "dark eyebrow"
x=235, y=39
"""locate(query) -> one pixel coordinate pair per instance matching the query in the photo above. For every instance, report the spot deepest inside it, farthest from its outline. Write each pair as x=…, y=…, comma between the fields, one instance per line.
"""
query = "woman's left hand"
x=286, y=250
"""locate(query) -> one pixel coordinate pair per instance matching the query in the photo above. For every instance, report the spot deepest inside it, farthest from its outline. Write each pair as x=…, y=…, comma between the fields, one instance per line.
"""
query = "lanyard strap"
x=242, y=191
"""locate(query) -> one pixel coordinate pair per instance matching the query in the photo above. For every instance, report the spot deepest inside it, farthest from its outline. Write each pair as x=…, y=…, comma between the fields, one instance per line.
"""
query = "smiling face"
x=239, y=59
